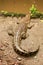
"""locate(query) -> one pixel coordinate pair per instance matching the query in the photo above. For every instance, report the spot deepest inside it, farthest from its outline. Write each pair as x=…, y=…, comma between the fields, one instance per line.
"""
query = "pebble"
x=19, y=58
x=41, y=20
x=35, y=57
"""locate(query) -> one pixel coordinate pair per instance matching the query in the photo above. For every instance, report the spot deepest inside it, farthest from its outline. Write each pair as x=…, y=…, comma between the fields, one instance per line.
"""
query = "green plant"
x=35, y=13
x=33, y=10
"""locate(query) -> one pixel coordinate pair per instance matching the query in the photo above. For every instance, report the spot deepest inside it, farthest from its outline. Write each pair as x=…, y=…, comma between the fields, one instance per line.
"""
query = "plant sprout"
x=33, y=9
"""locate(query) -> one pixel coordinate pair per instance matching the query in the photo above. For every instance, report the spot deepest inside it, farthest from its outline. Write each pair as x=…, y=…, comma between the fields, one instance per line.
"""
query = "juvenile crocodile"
x=21, y=32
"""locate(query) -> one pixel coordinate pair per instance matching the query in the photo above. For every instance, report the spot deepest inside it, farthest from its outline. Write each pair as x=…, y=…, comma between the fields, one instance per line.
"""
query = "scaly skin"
x=21, y=33
x=21, y=30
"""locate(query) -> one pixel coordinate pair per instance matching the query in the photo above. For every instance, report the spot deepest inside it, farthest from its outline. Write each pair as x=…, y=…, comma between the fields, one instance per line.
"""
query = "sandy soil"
x=34, y=38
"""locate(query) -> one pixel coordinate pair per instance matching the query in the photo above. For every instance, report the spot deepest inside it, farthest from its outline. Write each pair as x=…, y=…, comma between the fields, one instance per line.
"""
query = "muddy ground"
x=34, y=38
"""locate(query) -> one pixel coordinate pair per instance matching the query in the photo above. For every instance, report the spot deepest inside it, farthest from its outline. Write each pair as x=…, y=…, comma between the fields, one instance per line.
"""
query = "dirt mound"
x=34, y=38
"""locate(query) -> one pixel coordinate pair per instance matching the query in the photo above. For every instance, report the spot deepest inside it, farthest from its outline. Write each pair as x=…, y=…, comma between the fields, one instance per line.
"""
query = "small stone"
x=19, y=58
x=41, y=20
x=35, y=57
